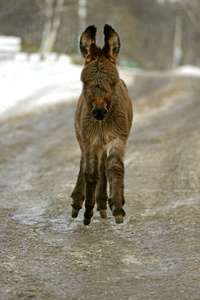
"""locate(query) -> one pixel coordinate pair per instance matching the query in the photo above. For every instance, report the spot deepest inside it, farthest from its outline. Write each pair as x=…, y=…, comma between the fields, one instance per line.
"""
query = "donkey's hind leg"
x=101, y=193
x=78, y=194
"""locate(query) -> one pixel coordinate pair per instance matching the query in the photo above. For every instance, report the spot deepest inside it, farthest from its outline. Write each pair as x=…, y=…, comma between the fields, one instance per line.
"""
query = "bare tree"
x=82, y=13
x=53, y=12
x=161, y=35
x=177, y=49
x=191, y=9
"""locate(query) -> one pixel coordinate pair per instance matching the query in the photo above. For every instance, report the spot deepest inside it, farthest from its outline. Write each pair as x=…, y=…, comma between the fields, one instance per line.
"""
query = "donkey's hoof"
x=86, y=221
x=103, y=213
x=74, y=212
x=119, y=219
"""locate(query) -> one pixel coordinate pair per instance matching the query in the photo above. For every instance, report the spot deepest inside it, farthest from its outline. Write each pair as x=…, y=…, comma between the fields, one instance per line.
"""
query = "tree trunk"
x=82, y=13
x=51, y=26
x=177, y=51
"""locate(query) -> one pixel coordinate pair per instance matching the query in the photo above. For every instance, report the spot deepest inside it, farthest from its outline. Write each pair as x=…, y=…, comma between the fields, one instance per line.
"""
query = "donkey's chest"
x=100, y=134
x=101, y=140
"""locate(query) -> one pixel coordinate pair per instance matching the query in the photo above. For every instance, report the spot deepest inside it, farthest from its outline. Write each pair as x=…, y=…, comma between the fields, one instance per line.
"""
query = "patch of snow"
x=34, y=82
x=187, y=70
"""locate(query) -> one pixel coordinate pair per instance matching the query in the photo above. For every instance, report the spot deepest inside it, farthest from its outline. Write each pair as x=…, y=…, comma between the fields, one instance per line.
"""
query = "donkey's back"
x=102, y=121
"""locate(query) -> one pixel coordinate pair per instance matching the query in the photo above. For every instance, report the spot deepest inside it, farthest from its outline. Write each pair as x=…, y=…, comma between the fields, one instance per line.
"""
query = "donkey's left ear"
x=112, y=43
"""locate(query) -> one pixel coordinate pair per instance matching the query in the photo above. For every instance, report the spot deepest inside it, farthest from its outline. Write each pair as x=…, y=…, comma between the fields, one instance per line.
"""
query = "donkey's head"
x=99, y=75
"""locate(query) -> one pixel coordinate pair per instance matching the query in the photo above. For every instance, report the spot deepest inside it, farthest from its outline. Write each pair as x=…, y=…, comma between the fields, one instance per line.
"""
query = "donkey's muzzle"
x=99, y=113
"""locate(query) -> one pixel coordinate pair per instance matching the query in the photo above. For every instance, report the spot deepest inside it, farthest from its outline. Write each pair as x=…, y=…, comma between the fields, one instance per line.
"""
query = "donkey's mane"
x=99, y=71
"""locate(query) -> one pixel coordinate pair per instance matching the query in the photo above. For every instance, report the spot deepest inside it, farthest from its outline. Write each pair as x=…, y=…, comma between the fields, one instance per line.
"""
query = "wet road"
x=154, y=254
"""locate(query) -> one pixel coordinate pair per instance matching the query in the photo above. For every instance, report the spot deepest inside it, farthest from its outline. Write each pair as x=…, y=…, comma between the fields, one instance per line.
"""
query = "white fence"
x=9, y=46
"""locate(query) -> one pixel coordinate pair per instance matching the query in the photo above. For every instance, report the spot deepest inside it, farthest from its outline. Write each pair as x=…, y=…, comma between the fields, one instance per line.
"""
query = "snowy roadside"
x=28, y=83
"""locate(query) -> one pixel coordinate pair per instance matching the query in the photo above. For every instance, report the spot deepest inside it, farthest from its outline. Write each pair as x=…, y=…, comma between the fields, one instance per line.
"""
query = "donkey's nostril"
x=94, y=112
x=104, y=111
x=99, y=113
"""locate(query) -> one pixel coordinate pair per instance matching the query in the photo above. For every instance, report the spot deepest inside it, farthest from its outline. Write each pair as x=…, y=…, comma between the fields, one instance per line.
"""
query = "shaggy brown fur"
x=102, y=121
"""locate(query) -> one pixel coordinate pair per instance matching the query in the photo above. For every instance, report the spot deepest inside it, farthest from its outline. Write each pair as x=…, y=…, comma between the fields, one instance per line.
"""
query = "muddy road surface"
x=154, y=254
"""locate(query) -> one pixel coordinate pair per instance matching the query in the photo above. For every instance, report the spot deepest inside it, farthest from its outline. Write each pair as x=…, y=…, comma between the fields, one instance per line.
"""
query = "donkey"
x=103, y=120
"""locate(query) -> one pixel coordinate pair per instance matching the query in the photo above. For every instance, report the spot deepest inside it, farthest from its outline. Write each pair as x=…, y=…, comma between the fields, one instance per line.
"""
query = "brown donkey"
x=102, y=121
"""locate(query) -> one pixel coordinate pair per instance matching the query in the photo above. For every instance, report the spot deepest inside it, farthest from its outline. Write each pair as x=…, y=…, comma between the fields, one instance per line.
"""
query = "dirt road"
x=154, y=254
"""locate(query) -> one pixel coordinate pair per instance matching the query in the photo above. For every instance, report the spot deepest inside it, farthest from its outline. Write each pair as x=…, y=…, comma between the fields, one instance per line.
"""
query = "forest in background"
x=154, y=34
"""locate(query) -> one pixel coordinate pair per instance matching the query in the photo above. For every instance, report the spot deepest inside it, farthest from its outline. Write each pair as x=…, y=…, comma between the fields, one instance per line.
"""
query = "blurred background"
x=155, y=34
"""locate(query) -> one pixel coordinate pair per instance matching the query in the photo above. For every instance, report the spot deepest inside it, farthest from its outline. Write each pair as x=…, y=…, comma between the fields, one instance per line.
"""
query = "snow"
x=188, y=70
x=28, y=81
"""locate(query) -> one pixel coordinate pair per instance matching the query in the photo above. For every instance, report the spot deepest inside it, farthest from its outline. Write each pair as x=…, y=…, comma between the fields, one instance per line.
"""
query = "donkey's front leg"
x=115, y=173
x=78, y=194
x=101, y=193
x=91, y=176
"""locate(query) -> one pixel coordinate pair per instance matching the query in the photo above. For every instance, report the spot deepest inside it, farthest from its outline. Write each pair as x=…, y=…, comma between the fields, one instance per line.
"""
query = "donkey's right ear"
x=88, y=47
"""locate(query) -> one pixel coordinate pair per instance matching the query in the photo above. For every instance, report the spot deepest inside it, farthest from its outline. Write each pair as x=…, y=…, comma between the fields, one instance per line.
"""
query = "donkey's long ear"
x=88, y=46
x=112, y=43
